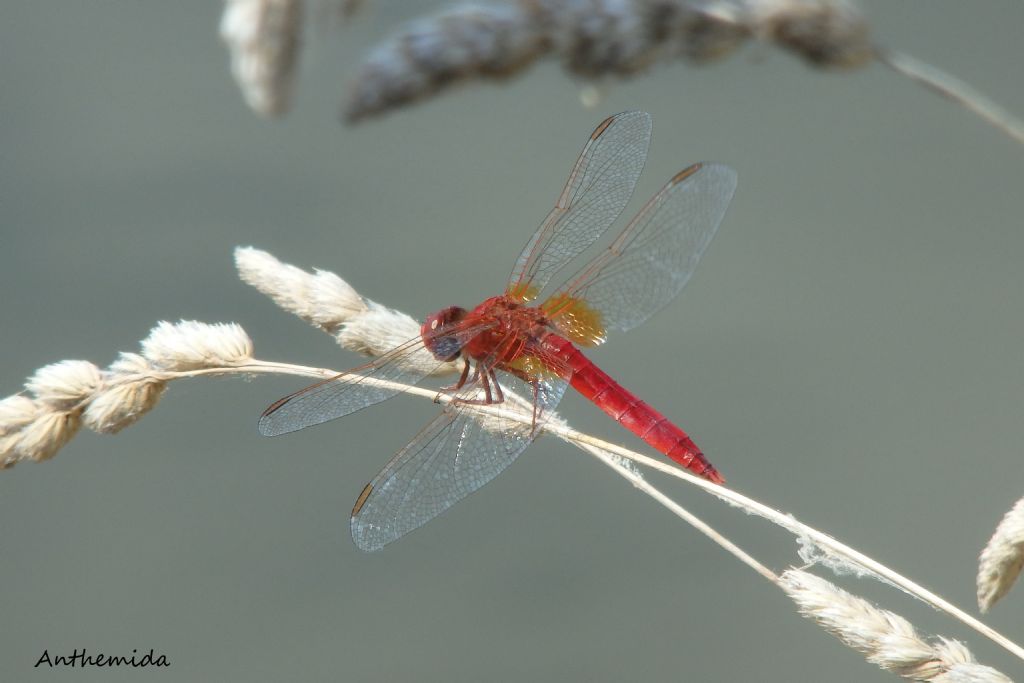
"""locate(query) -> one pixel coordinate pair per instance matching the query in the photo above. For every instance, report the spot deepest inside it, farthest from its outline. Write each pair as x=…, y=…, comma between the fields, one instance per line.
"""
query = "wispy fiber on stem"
x=1002, y=559
x=887, y=639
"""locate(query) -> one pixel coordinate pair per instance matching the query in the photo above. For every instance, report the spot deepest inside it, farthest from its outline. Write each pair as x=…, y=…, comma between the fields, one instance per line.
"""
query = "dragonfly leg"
x=462, y=378
x=497, y=386
x=485, y=380
x=490, y=384
x=458, y=385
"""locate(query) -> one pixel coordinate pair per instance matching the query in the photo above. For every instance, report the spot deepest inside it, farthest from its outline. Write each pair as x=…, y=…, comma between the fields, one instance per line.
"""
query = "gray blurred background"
x=849, y=351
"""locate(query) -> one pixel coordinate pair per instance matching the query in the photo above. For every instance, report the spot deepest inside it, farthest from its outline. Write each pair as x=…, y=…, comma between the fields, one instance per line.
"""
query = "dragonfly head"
x=445, y=347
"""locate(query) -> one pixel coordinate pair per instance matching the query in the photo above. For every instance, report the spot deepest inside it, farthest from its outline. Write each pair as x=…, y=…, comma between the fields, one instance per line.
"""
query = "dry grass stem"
x=839, y=553
x=595, y=38
x=66, y=395
x=263, y=38
x=69, y=394
x=625, y=469
x=1002, y=559
x=954, y=89
x=295, y=297
x=888, y=640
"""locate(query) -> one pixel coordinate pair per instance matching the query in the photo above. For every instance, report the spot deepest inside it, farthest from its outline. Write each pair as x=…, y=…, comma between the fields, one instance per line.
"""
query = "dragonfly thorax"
x=509, y=327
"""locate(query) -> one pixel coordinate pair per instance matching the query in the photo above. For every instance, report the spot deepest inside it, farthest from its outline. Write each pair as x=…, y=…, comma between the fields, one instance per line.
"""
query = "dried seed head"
x=462, y=42
x=8, y=451
x=121, y=405
x=596, y=38
x=705, y=31
x=132, y=388
x=1002, y=559
x=970, y=673
x=888, y=640
x=381, y=329
x=16, y=412
x=41, y=439
x=333, y=301
x=129, y=365
x=323, y=299
x=378, y=331
x=263, y=39
x=826, y=33
x=65, y=384
x=330, y=303
x=606, y=37
x=191, y=345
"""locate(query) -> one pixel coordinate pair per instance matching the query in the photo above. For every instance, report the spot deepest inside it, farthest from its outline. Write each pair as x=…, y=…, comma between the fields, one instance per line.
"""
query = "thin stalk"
x=954, y=89
x=593, y=445
x=798, y=528
x=679, y=511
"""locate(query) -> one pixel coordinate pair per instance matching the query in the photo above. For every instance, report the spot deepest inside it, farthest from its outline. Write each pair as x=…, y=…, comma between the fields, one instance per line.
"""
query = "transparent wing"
x=358, y=388
x=454, y=455
x=648, y=264
x=597, y=191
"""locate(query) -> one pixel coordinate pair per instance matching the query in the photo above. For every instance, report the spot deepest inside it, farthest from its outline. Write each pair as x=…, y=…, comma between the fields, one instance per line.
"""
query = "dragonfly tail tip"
x=712, y=474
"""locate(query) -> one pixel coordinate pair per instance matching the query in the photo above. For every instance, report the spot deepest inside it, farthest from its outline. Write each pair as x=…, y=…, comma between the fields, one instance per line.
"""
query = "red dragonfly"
x=506, y=345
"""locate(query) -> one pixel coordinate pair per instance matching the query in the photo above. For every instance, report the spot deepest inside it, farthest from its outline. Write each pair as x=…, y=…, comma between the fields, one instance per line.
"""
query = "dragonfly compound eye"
x=445, y=347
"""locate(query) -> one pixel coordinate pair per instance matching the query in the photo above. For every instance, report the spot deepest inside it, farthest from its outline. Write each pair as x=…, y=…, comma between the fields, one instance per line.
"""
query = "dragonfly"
x=522, y=356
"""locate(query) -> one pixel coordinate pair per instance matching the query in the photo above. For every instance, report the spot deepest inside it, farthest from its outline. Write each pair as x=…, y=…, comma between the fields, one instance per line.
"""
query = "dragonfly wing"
x=650, y=262
x=453, y=456
x=360, y=387
x=598, y=189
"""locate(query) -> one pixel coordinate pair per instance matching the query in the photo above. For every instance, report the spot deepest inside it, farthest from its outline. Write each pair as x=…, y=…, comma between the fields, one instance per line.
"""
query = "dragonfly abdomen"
x=635, y=415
